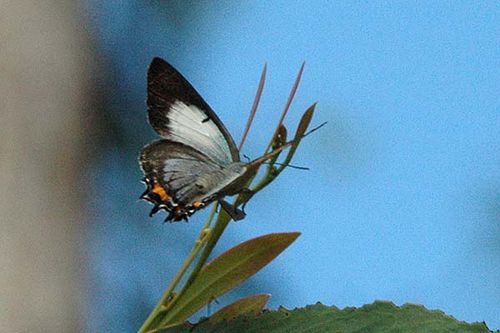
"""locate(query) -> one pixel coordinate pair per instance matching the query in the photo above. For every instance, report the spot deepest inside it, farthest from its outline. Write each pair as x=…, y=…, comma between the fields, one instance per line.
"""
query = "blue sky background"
x=402, y=201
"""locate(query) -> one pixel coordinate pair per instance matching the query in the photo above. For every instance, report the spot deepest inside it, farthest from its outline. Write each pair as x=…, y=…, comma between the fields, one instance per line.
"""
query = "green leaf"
x=249, y=305
x=379, y=317
x=227, y=271
x=305, y=121
x=278, y=142
x=299, y=134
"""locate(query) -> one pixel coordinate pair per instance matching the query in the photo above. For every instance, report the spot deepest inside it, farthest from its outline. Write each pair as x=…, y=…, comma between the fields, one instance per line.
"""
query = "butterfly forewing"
x=178, y=113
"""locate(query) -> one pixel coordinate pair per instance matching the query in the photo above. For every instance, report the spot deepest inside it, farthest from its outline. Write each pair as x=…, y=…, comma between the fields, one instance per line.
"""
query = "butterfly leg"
x=235, y=213
x=249, y=193
x=243, y=207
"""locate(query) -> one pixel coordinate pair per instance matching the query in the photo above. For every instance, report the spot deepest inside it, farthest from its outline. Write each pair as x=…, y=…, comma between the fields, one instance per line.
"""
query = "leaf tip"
x=293, y=235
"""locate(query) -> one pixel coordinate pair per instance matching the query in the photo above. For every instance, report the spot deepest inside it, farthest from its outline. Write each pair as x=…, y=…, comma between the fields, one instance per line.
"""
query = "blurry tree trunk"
x=42, y=94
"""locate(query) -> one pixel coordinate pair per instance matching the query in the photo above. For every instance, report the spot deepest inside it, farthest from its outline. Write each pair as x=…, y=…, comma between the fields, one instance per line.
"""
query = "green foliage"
x=248, y=305
x=227, y=271
x=379, y=317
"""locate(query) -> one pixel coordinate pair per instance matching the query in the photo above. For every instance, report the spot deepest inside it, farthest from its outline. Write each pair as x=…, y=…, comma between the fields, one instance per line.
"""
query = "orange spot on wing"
x=198, y=204
x=158, y=189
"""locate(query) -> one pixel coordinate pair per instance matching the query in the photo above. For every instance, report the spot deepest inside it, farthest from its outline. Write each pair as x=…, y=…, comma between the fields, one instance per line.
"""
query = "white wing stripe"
x=188, y=127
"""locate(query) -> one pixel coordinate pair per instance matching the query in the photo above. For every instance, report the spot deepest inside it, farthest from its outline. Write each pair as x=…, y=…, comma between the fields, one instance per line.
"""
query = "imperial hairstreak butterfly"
x=196, y=162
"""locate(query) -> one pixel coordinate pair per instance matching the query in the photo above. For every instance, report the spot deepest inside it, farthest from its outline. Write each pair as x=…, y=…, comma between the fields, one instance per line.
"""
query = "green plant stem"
x=162, y=304
x=219, y=227
x=160, y=307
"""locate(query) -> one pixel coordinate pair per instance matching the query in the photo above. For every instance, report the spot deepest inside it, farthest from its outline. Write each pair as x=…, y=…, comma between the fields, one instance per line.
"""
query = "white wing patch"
x=189, y=125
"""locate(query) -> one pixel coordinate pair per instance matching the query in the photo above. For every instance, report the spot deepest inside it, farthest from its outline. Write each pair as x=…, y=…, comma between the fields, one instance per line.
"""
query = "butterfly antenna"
x=287, y=106
x=288, y=166
x=314, y=129
x=254, y=106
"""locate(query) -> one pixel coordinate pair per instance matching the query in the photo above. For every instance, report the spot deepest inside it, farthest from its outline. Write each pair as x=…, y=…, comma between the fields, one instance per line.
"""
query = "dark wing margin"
x=168, y=94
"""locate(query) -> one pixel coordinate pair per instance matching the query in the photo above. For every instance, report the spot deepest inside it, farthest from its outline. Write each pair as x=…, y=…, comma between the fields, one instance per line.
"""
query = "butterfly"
x=196, y=162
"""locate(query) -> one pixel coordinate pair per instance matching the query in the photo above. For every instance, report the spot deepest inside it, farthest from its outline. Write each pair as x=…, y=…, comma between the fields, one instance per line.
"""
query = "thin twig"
x=254, y=106
x=287, y=106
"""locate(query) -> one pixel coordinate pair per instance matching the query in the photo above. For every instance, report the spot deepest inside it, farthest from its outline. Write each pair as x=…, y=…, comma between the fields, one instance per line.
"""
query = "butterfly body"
x=197, y=161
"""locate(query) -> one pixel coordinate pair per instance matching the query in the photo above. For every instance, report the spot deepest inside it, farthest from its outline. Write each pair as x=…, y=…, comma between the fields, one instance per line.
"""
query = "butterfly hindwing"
x=178, y=113
x=181, y=179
